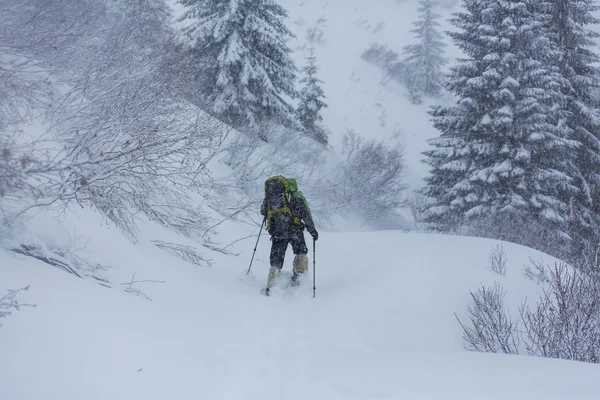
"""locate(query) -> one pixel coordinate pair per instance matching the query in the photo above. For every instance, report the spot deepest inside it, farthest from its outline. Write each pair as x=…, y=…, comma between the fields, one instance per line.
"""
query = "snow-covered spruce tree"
x=500, y=166
x=567, y=24
x=248, y=70
x=425, y=59
x=312, y=101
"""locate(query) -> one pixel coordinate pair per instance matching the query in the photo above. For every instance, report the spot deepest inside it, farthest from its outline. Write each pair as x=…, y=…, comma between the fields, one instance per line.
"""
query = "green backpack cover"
x=298, y=194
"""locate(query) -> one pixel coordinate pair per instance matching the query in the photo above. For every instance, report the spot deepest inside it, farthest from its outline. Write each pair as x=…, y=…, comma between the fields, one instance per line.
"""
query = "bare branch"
x=9, y=302
x=498, y=260
x=492, y=329
x=186, y=253
x=137, y=292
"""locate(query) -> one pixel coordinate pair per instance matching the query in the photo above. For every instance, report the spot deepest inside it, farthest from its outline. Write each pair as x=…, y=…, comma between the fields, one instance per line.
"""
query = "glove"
x=315, y=235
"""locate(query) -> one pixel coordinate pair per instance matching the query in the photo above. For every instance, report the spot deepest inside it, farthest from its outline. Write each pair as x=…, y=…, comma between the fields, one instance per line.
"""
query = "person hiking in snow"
x=286, y=214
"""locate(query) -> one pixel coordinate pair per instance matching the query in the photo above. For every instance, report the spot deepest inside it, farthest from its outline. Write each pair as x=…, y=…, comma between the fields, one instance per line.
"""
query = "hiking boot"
x=295, y=279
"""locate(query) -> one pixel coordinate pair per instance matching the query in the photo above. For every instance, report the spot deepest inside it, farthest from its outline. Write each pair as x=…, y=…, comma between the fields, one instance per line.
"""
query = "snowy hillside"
x=175, y=316
x=381, y=326
x=359, y=97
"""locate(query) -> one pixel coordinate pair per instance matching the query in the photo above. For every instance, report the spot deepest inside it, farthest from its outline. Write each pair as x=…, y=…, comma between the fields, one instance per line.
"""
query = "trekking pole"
x=314, y=271
x=256, y=246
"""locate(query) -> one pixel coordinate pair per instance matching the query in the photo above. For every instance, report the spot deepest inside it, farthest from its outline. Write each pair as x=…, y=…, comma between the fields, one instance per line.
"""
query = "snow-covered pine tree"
x=425, y=59
x=567, y=24
x=500, y=166
x=242, y=45
x=312, y=101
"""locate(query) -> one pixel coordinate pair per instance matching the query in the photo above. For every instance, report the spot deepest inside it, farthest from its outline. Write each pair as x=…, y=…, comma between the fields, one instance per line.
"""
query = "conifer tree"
x=567, y=24
x=426, y=58
x=501, y=164
x=312, y=101
x=246, y=60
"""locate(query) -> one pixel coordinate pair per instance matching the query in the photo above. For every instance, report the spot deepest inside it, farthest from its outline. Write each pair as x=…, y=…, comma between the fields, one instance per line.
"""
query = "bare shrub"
x=371, y=180
x=388, y=61
x=492, y=329
x=9, y=302
x=416, y=203
x=536, y=271
x=380, y=55
x=35, y=36
x=589, y=262
x=287, y=151
x=118, y=129
x=127, y=134
x=498, y=259
x=565, y=323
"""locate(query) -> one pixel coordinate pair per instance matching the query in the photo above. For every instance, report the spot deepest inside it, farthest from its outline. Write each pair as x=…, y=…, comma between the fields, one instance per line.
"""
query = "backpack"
x=278, y=214
x=298, y=194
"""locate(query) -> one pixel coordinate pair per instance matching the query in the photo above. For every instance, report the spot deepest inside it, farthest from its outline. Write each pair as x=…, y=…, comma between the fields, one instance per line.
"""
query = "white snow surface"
x=381, y=326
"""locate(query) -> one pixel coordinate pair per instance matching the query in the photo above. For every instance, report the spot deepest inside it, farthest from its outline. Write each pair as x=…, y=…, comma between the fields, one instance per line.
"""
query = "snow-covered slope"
x=381, y=326
x=359, y=98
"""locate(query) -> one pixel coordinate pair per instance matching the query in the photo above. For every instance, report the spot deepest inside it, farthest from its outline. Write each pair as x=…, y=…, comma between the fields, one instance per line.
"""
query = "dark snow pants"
x=280, y=244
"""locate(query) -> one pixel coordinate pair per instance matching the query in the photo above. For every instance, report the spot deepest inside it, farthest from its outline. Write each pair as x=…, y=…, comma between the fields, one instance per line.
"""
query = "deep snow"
x=381, y=326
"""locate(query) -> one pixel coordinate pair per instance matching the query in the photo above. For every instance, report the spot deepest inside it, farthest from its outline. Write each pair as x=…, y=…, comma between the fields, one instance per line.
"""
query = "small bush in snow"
x=388, y=61
x=370, y=181
x=492, y=329
x=498, y=260
x=536, y=272
x=416, y=203
x=565, y=323
x=589, y=261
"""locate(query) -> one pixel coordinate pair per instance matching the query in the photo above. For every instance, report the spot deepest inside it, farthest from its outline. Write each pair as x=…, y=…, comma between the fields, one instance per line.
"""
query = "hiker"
x=287, y=214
